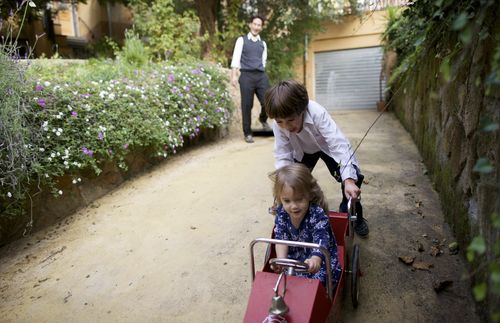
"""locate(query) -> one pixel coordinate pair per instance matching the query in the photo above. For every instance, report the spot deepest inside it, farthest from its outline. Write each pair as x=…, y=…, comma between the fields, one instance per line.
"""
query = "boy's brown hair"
x=286, y=99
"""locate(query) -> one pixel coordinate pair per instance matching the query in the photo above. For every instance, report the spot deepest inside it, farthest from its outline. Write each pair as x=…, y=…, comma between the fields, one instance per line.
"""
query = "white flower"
x=52, y=155
x=49, y=158
x=79, y=179
x=60, y=192
x=58, y=133
x=65, y=162
x=9, y=194
x=70, y=108
x=46, y=83
x=46, y=175
x=41, y=149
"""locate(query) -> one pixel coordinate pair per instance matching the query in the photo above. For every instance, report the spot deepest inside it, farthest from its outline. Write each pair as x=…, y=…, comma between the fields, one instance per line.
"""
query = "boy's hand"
x=351, y=190
x=314, y=264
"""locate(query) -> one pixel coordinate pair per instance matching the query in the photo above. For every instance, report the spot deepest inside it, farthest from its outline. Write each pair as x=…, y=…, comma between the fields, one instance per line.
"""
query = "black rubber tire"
x=355, y=273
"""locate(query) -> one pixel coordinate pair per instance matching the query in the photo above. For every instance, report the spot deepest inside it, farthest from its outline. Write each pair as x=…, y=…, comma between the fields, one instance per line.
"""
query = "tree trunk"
x=207, y=14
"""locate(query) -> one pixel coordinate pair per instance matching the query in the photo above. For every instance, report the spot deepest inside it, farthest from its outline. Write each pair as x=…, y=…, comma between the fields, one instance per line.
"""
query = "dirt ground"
x=172, y=245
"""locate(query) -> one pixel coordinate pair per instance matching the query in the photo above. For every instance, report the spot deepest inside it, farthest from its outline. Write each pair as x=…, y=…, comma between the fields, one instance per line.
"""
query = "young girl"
x=300, y=216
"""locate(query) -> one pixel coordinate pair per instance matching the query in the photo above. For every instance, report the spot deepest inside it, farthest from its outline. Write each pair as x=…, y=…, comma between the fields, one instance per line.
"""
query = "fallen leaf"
x=453, y=248
x=420, y=247
x=422, y=265
x=408, y=260
x=193, y=228
x=435, y=251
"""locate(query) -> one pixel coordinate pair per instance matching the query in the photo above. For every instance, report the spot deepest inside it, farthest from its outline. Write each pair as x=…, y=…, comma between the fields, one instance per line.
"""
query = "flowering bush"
x=85, y=114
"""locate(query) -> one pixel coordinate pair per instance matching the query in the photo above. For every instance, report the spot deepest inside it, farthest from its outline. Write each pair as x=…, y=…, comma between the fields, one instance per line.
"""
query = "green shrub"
x=85, y=114
x=168, y=35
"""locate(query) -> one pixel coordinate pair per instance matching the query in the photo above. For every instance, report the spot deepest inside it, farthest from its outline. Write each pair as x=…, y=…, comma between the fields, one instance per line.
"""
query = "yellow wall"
x=352, y=32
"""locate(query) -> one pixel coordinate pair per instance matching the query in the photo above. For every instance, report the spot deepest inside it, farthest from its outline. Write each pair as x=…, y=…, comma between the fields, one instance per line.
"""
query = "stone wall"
x=444, y=118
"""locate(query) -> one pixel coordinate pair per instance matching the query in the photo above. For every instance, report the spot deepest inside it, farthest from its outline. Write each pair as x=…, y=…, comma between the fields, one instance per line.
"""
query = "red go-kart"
x=283, y=297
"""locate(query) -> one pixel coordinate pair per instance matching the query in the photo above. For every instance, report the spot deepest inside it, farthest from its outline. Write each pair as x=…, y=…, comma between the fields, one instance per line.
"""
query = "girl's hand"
x=351, y=190
x=314, y=264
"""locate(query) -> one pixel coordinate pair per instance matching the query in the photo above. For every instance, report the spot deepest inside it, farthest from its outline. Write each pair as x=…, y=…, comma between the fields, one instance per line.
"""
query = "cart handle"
x=324, y=251
x=351, y=209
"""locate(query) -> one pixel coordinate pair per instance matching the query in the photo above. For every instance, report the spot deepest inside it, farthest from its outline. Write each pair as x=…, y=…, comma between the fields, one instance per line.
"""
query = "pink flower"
x=87, y=151
x=74, y=114
x=41, y=102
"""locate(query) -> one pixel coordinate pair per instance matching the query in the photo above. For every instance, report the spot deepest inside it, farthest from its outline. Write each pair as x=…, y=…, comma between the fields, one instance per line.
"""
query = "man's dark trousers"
x=310, y=161
x=252, y=82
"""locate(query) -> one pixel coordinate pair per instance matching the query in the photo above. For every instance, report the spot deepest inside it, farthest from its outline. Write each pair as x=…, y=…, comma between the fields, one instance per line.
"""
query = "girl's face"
x=295, y=204
x=293, y=123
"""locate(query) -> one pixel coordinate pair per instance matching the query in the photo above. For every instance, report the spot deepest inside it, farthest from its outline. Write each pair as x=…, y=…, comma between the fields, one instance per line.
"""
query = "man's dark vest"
x=251, y=55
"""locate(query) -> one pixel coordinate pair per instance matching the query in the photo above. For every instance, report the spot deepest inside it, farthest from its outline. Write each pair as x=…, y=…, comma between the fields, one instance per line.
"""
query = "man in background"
x=249, y=57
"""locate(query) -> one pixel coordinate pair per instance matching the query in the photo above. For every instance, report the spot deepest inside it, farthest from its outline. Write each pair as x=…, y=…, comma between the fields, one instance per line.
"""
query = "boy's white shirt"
x=319, y=132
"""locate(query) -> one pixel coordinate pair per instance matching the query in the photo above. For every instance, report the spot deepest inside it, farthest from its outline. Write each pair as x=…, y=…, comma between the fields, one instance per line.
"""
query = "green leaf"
x=445, y=69
x=470, y=255
x=483, y=166
x=466, y=35
x=478, y=245
x=495, y=220
x=460, y=21
x=483, y=34
x=495, y=273
x=491, y=126
x=496, y=248
x=480, y=291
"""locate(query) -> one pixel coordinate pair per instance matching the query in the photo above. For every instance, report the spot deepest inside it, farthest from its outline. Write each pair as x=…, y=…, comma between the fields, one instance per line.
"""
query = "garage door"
x=348, y=79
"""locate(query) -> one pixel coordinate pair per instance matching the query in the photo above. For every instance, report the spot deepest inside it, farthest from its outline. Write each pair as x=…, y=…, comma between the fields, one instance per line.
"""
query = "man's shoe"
x=361, y=228
x=249, y=139
x=265, y=126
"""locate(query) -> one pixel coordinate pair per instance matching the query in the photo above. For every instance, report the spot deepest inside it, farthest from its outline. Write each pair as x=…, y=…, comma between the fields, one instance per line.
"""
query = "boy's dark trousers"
x=252, y=82
x=310, y=161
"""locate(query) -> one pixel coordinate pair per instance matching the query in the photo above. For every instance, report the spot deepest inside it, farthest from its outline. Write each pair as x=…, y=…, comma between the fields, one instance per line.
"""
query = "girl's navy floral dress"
x=315, y=228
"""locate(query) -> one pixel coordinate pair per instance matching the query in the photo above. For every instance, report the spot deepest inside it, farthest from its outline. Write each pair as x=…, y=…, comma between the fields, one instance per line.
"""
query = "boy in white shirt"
x=305, y=132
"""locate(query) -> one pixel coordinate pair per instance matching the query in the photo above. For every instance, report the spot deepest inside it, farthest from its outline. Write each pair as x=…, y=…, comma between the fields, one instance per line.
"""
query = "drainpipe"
x=110, y=25
x=304, y=62
x=74, y=17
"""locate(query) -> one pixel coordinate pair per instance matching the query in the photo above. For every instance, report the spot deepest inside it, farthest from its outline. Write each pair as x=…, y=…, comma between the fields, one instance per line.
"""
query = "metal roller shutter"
x=348, y=79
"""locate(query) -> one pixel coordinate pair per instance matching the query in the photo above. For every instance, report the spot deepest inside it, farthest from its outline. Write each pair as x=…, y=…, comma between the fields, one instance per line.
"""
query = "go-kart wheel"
x=355, y=274
x=297, y=266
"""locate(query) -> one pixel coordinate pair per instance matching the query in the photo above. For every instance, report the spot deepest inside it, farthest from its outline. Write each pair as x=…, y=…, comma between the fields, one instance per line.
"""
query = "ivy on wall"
x=447, y=33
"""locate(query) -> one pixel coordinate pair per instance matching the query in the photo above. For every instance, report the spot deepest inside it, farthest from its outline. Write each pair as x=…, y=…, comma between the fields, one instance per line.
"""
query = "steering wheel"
x=297, y=266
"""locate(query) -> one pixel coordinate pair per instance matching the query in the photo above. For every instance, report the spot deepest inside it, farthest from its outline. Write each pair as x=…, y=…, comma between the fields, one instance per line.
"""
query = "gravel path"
x=172, y=244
